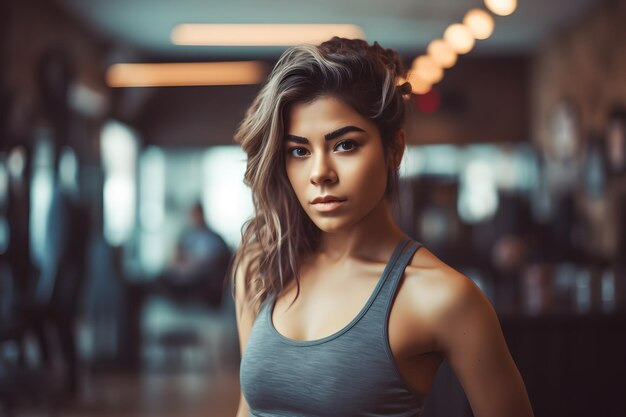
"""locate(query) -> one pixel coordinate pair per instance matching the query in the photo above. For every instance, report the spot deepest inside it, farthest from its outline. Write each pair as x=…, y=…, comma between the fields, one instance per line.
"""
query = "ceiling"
x=144, y=26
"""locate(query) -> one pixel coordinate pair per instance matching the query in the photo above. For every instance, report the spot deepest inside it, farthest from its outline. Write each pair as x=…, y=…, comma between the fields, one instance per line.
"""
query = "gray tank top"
x=349, y=373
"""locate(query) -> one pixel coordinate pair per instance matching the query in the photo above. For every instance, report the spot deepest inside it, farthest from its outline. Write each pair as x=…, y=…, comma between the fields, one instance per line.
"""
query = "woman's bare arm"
x=245, y=319
x=469, y=334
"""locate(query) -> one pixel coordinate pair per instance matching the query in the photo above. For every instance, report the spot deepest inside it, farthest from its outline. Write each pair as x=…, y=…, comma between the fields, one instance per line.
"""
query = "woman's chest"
x=344, y=371
x=321, y=312
x=325, y=307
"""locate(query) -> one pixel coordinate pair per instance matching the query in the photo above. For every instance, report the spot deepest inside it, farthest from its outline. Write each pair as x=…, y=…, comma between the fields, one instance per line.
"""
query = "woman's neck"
x=374, y=237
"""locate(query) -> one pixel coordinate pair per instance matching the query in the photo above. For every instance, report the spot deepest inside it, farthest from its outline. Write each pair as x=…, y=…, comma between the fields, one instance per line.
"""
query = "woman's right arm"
x=245, y=318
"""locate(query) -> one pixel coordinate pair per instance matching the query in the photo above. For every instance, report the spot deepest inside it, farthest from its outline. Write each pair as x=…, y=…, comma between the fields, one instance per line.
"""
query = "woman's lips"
x=328, y=206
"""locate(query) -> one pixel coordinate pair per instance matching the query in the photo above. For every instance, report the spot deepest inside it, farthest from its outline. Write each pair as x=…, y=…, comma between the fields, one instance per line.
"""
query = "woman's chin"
x=332, y=225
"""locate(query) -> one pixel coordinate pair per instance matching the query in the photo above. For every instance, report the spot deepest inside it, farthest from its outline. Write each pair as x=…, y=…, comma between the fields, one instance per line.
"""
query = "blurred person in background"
x=199, y=264
x=339, y=312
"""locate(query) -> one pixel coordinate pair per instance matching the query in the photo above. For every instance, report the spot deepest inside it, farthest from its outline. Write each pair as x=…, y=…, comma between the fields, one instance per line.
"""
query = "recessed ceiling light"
x=186, y=74
x=260, y=34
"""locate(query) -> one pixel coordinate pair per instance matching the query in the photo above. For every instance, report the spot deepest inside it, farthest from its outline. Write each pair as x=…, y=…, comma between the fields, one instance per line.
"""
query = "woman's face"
x=333, y=152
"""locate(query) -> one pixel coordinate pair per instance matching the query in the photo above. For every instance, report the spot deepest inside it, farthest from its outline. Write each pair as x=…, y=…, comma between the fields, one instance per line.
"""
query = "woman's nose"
x=322, y=171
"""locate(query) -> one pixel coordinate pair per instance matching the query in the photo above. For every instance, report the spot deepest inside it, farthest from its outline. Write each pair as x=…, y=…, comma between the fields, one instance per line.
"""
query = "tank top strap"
x=389, y=288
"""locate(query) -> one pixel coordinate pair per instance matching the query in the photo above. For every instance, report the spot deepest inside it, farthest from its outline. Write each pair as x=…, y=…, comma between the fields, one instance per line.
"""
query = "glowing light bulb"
x=442, y=53
x=418, y=84
x=479, y=22
x=501, y=7
x=427, y=69
x=459, y=37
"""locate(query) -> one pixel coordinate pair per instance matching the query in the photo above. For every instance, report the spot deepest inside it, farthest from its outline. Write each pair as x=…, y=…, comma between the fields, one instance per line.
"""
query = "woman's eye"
x=346, y=146
x=297, y=152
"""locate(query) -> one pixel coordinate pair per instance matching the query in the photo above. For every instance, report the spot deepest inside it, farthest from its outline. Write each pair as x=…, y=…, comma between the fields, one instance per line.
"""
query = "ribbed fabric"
x=349, y=373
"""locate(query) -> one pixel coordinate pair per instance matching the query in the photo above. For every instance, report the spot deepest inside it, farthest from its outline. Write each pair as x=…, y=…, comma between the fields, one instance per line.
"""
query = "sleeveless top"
x=349, y=373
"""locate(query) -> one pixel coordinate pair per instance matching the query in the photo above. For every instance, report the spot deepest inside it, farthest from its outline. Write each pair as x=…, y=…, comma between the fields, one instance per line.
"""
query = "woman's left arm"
x=468, y=333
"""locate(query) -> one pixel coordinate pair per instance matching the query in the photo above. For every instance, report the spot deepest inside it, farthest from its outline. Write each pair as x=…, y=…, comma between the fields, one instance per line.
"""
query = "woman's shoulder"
x=436, y=290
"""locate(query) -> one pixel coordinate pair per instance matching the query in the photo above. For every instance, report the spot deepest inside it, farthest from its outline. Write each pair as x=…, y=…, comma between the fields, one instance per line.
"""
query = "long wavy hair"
x=367, y=77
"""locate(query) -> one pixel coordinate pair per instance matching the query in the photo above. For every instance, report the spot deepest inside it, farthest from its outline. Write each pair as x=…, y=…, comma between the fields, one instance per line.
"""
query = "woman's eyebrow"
x=329, y=136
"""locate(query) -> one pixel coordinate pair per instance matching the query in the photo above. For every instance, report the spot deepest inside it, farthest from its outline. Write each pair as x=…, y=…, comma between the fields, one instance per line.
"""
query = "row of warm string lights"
x=459, y=38
x=426, y=70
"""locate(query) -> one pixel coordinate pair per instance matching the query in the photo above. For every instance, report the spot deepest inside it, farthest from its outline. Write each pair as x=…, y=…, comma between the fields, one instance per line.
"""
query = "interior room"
x=122, y=194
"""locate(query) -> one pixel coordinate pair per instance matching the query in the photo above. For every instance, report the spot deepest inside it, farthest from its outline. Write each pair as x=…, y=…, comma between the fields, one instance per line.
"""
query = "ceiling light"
x=501, y=7
x=479, y=22
x=427, y=69
x=459, y=37
x=260, y=34
x=418, y=84
x=442, y=53
x=186, y=74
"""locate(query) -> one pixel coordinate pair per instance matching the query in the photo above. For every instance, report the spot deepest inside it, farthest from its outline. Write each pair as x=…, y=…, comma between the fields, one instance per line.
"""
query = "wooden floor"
x=140, y=395
x=180, y=395
x=190, y=361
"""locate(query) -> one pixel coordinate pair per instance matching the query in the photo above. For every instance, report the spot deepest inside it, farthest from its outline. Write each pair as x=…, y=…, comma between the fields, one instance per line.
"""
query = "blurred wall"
x=586, y=64
x=194, y=116
x=481, y=99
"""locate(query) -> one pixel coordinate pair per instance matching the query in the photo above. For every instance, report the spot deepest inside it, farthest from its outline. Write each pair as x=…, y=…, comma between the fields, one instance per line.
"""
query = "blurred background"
x=121, y=194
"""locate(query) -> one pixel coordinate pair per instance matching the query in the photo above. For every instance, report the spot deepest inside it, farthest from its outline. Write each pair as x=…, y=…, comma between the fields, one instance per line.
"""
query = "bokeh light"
x=459, y=37
x=501, y=7
x=418, y=84
x=442, y=53
x=479, y=22
x=427, y=69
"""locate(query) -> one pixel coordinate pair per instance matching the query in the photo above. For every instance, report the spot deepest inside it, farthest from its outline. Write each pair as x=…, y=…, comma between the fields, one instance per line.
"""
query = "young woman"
x=339, y=312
